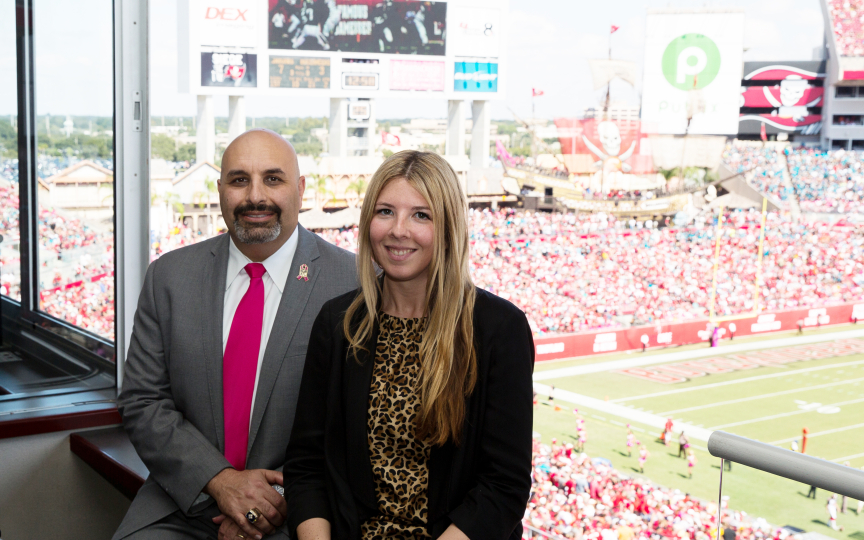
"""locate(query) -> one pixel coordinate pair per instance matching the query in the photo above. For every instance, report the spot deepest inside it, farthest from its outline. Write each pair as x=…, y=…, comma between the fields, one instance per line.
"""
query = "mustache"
x=249, y=207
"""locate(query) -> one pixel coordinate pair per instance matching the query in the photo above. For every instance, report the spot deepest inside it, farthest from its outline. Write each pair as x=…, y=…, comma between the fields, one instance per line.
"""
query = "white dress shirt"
x=278, y=267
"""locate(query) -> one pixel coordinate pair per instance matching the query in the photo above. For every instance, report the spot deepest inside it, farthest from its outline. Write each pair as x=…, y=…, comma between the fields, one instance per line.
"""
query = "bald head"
x=245, y=142
x=260, y=192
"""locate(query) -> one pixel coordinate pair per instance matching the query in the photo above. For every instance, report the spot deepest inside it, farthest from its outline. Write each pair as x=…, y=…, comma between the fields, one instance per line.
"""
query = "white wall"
x=46, y=491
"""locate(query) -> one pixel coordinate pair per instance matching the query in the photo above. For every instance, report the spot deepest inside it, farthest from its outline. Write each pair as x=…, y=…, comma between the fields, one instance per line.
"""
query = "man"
x=683, y=443
x=217, y=354
x=832, y=512
x=728, y=531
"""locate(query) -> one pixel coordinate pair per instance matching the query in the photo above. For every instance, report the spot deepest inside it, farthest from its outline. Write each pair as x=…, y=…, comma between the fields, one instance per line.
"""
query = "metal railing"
x=802, y=468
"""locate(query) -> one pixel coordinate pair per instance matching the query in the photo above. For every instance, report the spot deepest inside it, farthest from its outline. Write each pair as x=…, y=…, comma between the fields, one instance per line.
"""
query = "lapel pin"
x=304, y=273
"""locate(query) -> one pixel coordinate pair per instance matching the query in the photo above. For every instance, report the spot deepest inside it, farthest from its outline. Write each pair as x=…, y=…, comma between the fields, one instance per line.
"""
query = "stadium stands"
x=827, y=182
x=846, y=19
x=580, y=272
x=569, y=272
x=764, y=166
x=576, y=497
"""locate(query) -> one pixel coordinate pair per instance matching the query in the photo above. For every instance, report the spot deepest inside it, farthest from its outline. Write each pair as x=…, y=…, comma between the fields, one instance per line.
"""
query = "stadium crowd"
x=764, y=164
x=827, y=181
x=846, y=20
x=568, y=272
x=576, y=497
x=830, y=182
x=572, y=272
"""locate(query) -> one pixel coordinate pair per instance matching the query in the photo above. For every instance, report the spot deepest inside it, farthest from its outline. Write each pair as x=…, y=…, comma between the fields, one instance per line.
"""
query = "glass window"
x=848, y=120
x=10, y=259
x=57, y=211
x=75, y=162
x=845, y=91
x=839, y=144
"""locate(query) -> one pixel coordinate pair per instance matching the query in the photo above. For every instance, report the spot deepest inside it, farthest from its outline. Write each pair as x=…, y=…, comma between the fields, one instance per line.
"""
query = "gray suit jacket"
x=171, y=401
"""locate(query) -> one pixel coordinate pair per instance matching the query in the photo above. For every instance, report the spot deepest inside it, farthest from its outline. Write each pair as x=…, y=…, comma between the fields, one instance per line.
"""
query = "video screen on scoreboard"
x=229, y=69
x=364, y=26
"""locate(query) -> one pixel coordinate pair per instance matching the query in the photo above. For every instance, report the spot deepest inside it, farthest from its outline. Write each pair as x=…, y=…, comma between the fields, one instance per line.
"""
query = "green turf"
x=770, y=404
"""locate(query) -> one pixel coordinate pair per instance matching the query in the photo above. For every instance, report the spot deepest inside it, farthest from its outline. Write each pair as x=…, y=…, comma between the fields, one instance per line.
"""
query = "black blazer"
x=482, y=485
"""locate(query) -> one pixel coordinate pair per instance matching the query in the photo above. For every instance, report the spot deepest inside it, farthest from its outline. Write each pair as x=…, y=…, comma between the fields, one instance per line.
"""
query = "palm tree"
x=173, y=200
x=358, y=186
x=199, y=199
x=211, y=186
x=323, y=194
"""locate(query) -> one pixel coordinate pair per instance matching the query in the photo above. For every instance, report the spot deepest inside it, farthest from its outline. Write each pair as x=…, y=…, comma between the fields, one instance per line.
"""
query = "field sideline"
x=765, y=388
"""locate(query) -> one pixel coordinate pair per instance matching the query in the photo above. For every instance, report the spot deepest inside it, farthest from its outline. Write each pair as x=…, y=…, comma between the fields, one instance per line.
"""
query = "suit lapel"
x=295, y=295
x=357, y=379
x=211, y=317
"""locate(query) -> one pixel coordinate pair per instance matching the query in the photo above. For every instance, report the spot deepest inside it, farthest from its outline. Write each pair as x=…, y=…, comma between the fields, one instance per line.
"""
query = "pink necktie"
x=239, y=365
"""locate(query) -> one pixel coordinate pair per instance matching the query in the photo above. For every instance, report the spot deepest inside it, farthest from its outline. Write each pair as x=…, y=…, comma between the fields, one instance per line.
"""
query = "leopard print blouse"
x=399, y=459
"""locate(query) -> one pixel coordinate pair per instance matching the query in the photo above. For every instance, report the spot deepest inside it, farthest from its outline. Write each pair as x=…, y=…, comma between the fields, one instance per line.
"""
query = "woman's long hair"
x=448, y=359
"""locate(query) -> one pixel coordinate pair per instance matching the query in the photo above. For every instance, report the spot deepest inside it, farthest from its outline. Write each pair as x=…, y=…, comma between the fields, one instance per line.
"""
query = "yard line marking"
x=736, y=381
x=751, y=398
x=826, y=432
x=613, y=365
x=844, y=458
x=620, y=411
x=783, y=415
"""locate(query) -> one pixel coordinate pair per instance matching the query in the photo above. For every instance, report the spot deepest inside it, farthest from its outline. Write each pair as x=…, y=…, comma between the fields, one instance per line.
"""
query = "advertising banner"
x=666, y=335
x=786, y=94
x=299, y=72
x=693, y=69
x=779, y=97
x=603, y=140
x=416, y=75
x=227, y=23
x=777, y=71
x=229, y=69
x=475, y=77
x=364, y=26
x=474, y=32
x=807, y=124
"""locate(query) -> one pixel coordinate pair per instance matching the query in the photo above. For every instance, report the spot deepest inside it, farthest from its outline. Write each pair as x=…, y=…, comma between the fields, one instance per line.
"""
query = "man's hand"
x=228, y=529
x=238, y=492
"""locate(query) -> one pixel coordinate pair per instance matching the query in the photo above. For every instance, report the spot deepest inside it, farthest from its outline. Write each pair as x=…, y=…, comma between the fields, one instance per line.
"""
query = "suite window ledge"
x=48, y=414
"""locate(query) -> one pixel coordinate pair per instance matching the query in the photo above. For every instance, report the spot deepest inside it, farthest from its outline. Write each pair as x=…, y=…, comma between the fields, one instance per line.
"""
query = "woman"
x=415, y=410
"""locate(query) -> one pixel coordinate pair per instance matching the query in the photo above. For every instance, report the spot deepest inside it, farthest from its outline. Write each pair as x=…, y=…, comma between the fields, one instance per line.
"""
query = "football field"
x=767, y=389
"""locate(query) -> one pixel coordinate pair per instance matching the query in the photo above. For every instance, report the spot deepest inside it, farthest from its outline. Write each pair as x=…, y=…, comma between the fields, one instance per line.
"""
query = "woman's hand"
x=314, y=529
x=453, y=533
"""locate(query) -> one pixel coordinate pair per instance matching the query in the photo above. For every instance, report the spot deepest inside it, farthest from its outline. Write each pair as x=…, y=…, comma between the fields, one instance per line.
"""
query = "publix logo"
x=691, y=62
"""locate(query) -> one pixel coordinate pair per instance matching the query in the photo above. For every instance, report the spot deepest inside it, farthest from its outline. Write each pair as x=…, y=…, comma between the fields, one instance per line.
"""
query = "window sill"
x=33, y=416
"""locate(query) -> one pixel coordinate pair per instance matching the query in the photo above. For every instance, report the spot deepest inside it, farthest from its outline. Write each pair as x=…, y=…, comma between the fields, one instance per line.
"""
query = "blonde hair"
x=448, y=358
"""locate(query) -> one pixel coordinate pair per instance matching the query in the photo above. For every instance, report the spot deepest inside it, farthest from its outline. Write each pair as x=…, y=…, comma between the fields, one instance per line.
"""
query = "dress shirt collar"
x=278, y=265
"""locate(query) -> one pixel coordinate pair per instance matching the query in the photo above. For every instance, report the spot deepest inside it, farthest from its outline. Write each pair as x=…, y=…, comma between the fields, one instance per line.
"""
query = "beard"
x=257, y=233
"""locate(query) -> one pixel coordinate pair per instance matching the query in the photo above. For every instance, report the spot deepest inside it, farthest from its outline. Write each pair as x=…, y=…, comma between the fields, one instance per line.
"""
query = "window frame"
x=23, y=324
x=853, y=95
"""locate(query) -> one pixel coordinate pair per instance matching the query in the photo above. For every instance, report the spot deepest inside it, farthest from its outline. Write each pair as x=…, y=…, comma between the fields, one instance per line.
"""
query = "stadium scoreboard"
x=299, y=72
x=450, y=49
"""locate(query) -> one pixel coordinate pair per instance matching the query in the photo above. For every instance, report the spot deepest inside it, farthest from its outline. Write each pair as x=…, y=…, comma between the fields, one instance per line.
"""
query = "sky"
x=547, y=43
